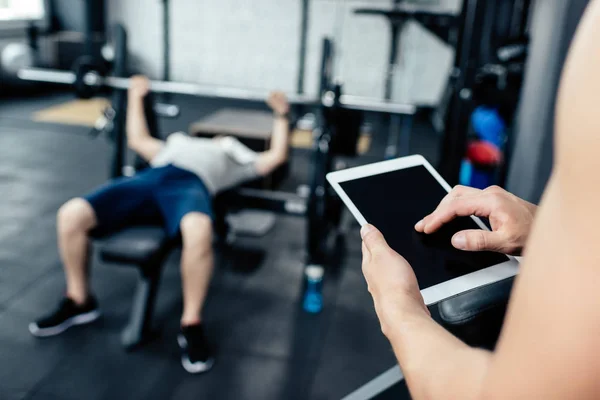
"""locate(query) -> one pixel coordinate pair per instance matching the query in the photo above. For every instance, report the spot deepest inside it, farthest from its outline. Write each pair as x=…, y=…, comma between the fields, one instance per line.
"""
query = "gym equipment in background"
x=94, y=28
x=439, y=22
x=495, y=95
x=490, y=52
x=303, y=37
x=89, y=79
x=483, y=160
x=15, y=57
x=166, y=32
x=480, y=167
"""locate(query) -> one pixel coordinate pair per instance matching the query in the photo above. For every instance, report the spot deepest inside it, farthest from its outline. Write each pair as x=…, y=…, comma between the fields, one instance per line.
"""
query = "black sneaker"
x=196, y=356
x=67, y=315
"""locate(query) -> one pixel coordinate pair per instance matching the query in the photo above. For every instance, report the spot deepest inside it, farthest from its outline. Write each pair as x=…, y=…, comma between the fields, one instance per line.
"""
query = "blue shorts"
x=161, y=195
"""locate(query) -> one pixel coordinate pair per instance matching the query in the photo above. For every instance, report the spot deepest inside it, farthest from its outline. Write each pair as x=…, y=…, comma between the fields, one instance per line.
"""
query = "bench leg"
x=140, y=319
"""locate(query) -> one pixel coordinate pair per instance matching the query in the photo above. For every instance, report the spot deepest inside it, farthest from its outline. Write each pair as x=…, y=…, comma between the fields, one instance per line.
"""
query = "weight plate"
x=82, y=67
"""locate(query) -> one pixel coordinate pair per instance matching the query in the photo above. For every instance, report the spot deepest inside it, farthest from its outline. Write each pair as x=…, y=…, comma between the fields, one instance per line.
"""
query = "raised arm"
x=551, y=339
x=277, y=154
x=138, y=134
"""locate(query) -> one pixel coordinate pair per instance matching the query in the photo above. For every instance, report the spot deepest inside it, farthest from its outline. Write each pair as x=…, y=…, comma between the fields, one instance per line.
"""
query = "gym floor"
x=267, y=347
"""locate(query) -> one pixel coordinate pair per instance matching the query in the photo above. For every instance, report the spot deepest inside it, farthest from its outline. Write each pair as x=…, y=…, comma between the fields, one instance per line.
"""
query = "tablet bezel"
x=444, y=290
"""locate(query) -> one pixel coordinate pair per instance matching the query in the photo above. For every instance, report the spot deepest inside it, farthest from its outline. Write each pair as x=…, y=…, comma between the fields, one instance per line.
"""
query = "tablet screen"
x=394, y=202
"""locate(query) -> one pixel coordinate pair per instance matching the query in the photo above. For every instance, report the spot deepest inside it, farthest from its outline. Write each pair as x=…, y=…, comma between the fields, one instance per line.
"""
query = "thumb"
x=373, y=239
x=477, y=240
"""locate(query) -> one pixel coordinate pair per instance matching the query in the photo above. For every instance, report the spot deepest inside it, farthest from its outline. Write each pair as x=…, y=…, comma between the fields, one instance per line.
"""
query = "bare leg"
x=74, y=220
x=196, y=265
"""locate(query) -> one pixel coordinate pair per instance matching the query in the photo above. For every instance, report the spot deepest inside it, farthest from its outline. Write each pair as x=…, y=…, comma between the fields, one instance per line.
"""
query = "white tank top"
x=221, y=163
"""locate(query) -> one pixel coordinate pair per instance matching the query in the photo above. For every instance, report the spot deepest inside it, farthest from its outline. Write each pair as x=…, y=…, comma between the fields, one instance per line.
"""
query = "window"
x=21, y=10
x=15, y=15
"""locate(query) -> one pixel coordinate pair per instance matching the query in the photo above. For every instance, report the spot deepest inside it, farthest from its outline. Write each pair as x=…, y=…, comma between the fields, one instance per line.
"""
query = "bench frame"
x=139, y=327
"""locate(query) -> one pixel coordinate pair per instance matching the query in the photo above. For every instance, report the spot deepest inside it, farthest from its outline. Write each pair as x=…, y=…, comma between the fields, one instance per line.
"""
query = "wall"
x=68, y=15
x=254, y=44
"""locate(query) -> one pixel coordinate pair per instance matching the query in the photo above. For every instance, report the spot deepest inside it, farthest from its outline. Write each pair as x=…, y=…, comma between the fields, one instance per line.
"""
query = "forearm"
x=280, y=138
x=137, y=126
x=436, y=364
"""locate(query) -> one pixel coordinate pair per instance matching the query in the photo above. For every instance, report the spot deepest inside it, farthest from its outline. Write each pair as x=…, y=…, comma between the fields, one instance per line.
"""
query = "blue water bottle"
x=313, y=297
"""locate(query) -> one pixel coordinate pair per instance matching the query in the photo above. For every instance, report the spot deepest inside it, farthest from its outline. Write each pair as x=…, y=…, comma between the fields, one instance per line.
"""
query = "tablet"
x=393, y=196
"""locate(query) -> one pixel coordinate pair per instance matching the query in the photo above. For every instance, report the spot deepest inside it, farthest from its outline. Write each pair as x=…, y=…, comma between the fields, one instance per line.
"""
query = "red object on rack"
x=484, y=153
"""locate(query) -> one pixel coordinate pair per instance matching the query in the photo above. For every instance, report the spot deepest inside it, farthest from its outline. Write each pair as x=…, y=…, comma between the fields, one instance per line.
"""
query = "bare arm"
x=553, y=327
x=138, y=134
x=551, y=339
x=277, y=154
x=436, y=364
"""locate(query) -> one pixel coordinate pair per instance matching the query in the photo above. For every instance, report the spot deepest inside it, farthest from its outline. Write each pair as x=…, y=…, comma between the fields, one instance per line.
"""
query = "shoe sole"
x=81, y=319
x=193, y=368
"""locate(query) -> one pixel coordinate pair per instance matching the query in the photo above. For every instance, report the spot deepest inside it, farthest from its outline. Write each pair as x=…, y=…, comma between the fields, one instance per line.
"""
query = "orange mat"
x=76, y=112
x=303, y=140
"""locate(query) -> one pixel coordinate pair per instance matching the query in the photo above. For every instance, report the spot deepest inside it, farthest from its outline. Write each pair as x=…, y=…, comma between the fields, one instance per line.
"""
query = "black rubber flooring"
x=268, y=348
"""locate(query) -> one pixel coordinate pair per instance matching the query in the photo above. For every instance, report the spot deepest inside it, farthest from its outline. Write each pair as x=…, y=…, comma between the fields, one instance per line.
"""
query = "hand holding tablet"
x=393, y=196
x=511, y=219
x=391, y=279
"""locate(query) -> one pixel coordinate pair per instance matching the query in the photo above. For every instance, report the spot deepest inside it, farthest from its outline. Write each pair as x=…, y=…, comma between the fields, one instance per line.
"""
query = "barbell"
x=92, y=82
x=89, y=80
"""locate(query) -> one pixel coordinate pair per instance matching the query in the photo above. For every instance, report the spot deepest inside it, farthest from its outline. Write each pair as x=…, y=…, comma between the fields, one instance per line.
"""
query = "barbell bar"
x=95, y=80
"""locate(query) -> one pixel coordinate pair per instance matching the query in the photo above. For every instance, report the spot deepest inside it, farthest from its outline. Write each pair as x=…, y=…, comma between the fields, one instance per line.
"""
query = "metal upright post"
x=316, y=232
x=166, y=45
x=302, y=52
x=395, y=29
x=89, y=27
x=119, y=102
x=465, y=66
x=166, y=41
x=325, y=79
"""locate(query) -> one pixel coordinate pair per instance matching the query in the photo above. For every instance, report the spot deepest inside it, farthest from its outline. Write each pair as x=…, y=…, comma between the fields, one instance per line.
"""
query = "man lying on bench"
x=177, y=192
